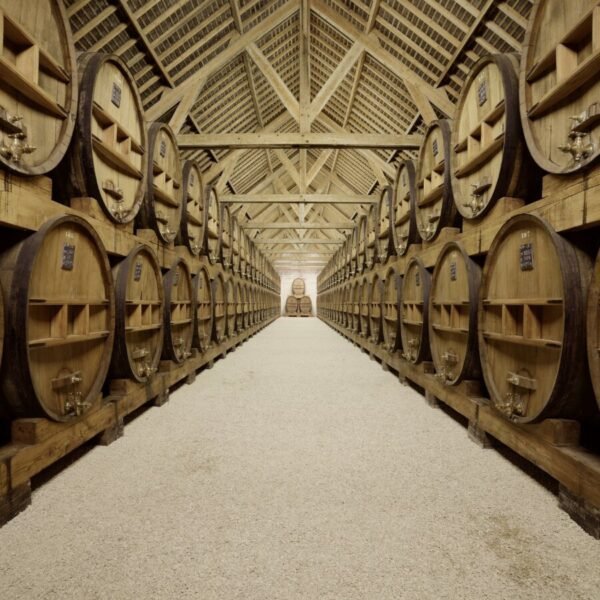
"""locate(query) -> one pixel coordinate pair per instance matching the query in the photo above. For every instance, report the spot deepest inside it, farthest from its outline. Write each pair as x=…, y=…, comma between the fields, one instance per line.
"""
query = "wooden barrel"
x=38, y=98
x=385, y=242
x=532, y=322
x=203, y=309
x=490, y=159
x=236, y=232
x=161, y=210
x=213, y=225
x=239, y=307
x=391, y=310
x=372, y=232
x=559, y=85
x=414, y=311
x=139, y=326
x=298, y=287
x=178, y=312
x=191, y=232
x=363, y=300
x=219, y=307
x=355, y=307
x=226, y=238
x=453, y=315
x=405, y=231
x=60, y=320
x=230, y=307
x=108, y=159
x=593, y=329
x=243, y=249
x=247, y=319
x=347, y=256
x=361, y=243
x=305, y=305
x=435, y=207
x=375, y=310
x=350, y=307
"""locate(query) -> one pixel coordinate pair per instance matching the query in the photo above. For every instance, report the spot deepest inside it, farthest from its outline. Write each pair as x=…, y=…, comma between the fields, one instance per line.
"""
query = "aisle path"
x=295, y=468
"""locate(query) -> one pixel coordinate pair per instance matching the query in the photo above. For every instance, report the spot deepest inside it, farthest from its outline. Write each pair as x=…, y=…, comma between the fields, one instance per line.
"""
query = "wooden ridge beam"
x=298, y=225
x=300, y=241
x=261, y=140
x=296, y=198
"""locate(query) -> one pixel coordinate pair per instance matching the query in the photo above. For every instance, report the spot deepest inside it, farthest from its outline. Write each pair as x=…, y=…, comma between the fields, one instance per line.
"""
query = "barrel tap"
x=15, y=150
x=575, y=145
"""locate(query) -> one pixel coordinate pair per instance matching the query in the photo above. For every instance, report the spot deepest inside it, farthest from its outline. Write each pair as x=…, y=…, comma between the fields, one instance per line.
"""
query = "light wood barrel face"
x=453, y=315
x=559, y=84
x=192, y=215
x=489, y=149
x=384, y=241
x=390, y=321
x=226, y=239
x=219, y=307
x=162, y=208
x=593, y=329
x=414, y=311
x=298, y=287
x=435, y=205
x=203, y=301
x=375, y=310
x=305, y=305
x=60, y=320
x=109, y=157
x=39, y=85
x=139, y=326
x=404, y=231
x=213, y=226
x=291, y=305
x=363, y=301
x=178, y=312
x=532, y=344
x=372, y=232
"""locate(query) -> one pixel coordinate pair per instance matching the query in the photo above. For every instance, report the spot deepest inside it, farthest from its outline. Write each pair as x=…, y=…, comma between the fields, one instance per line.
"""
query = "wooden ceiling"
x=304, y=67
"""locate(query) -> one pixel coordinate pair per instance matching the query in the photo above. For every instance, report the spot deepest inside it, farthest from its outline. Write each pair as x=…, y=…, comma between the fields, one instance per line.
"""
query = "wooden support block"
x=478, y=435
x=224, y=355
x=14, y=501
x=447, y=234
x=471, y=388
x=148, y=235
x=371, y=356
x=210, y=364
x=161, y=399
x=123, y=387
x=431, y=400
x=166, y=366
x=34, y=431
x=191, y=378
x=112, y=433
x=402, y=379
x=582, y=512
x=385, y=366
x=501, y=209
x=558, y=432
x=428, y=367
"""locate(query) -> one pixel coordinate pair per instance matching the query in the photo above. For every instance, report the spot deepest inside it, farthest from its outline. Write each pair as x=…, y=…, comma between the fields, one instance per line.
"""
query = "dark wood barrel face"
x=226, y=238
x=178, y=312
x=305, y=305
x=363, y=300
x=559, y=85
x=371, y=257
x=139, y=326
x=414, y=311
x=161, y=210
x=435, y=207
x=108, y=160
x=193, y=215
x=490, y=157
x=384, y=240
x=593, y=329
x=531, y=334
x=453, y=316
x=375, y=310
x=39, y=86
x=60, y=320
x=203, y=302
x=230, y=307
x=405, y=231
x=239, y=307
x=219, y=307
x=213, y=226
x=391, y=310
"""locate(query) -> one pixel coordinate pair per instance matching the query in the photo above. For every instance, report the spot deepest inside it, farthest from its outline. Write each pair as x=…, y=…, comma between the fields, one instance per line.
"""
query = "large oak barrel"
x=226, y=238
x=361, y=243
x=350, y=306
x=219, y=315
x=405, y=231
x=243, y=250
x=435, y=207
x=239, y=307
x=371, y=257
x=139, y=326
x=245, y=300
x=213, y=225
x=60, y=320
x=236, y=242
x=356, y=307
x=108, y=159
x=385, y=241
x=375, y=309
x=161, y=210
x=453, y=315
x=559, y=84
x=593, y=329
x=414, y=311
x=191, y=232
x=305, y=306
x=490, y=156
x=203, y=309
x=178, y=312
x=292, y=305
x=38, y=97
x=298, y=287
x=391, y=310
x=532, y=322
x=363, y=301
x=230, y=307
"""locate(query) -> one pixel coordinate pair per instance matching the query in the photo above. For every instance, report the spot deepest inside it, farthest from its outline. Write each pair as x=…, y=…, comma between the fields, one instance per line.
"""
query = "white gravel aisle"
x=295, y=468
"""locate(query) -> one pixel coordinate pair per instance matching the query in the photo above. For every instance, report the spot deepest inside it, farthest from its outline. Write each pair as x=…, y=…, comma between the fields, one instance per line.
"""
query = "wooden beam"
x=299, y=241
x=290, y=225
x=313, y=253
x=289, y=166
x=295, y=198
x=184, y=107
x=337, y=139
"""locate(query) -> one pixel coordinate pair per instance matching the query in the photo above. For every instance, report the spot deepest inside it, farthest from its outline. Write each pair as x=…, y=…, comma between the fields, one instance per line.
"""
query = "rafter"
x=287, y=198
x=291, y=225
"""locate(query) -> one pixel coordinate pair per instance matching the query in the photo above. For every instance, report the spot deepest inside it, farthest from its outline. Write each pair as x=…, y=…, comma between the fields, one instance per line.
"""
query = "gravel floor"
x=295, y=468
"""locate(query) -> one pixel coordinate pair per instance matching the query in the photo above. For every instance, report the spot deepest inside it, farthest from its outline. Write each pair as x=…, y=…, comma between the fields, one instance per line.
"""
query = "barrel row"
x=72, y=318
x=525, y=319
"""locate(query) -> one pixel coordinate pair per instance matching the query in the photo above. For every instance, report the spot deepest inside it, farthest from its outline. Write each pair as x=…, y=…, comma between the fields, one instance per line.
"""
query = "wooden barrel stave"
x=219, y=307
x=178, y=312
x=363, y=301
x=375, y=310
x=593, y=329
x=230, y=308
x=385, y=237
x=191, y=231
x=391, y=310
x=371, y=237
x=203, y=310
x=405, y=231
x=226, y=258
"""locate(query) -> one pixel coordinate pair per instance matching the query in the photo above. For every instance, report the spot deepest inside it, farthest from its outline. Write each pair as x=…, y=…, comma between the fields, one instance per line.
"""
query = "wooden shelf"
x=135, y=329
x=411, y=322
x=68, y=301
x=523, y=301
x=521, y=341
x=481, y=158
x=448, y=329
x=70, y=339
x=431, y=196
x=105, y=120
x=163, y=197
x=115, y=159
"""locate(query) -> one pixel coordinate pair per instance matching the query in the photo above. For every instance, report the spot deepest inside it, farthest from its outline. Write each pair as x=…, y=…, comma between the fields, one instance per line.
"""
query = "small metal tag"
x=68, y=257
x=434, y=147
x=163, y=148
x=115, y=96
x=452, y=271
x=137, y=274
x=482, y=95
x=526, y=257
